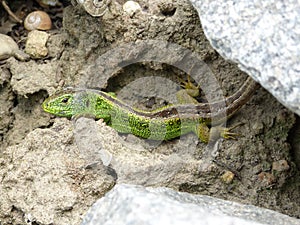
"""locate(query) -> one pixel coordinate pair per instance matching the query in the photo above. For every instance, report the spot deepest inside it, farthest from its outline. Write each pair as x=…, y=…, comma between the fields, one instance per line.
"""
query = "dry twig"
x=6, y=7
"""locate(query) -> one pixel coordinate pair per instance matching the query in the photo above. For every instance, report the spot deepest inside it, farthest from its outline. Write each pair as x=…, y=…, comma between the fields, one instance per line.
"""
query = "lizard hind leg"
x=203, y=132
x=224, y=132
x=231, y=135
x=214, y=133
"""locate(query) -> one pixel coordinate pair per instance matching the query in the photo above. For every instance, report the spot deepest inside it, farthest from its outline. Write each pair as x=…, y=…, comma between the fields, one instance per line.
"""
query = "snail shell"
x=37, y=20
x=95, y=8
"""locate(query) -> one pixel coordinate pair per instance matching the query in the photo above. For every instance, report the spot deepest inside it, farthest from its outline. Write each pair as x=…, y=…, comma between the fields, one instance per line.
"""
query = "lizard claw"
x=227, y=134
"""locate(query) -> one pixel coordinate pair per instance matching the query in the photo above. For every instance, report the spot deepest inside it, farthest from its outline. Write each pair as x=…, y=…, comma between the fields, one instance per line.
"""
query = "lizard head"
x=79, y=102
x=60, y=104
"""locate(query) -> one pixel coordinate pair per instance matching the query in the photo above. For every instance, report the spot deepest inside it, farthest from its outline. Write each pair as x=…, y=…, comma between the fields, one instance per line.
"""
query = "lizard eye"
x=65, y=100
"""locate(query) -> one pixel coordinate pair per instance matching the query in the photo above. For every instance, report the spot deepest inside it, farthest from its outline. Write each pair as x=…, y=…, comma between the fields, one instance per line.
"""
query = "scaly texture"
x=162, y=124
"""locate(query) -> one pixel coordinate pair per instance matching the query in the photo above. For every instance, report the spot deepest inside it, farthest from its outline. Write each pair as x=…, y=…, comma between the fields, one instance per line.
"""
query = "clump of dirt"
x=50, y=174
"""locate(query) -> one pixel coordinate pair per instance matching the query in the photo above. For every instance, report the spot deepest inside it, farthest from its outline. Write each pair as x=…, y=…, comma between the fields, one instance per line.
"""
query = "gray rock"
x=44, y=179
x=262, y=37
x=28, y=78
x=129, y=204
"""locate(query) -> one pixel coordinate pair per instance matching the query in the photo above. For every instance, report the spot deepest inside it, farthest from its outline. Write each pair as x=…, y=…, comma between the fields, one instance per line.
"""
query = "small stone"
x=36, y=44
x=227, y=177
x=281, y=165
x=10, y=48
x=131, y=7
x=266, y=178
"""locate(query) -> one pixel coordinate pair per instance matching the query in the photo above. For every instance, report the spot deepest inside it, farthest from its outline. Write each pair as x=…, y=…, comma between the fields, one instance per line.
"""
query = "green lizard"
x=165, y=123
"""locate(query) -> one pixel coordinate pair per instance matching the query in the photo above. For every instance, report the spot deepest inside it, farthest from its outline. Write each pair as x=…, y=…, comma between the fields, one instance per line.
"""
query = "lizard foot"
x=188, y=93
x=226, y=132
x=190, y=88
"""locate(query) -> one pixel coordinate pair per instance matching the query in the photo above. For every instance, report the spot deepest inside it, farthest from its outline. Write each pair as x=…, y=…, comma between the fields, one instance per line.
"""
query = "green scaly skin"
x=161, y=124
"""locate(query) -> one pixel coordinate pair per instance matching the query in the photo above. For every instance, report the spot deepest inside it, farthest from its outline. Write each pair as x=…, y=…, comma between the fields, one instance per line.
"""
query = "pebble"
x=227, y=177
x=131, y=7
x=10, y=48
x=266, y=178
x=36, y=44
x=281, y=165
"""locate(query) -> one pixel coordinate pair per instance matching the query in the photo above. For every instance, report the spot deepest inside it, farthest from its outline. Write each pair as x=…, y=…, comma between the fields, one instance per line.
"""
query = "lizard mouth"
x=45, y=105
x=57, y=107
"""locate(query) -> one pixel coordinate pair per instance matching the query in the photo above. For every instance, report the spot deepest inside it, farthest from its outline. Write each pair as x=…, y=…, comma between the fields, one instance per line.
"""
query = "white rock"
x=262, y=37
x=131, y=7
x=134, y=205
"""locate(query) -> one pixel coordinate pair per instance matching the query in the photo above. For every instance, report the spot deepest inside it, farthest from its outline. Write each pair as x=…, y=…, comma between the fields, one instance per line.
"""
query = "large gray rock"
x=262, y=37
x=45, y=180
x=136, y=205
